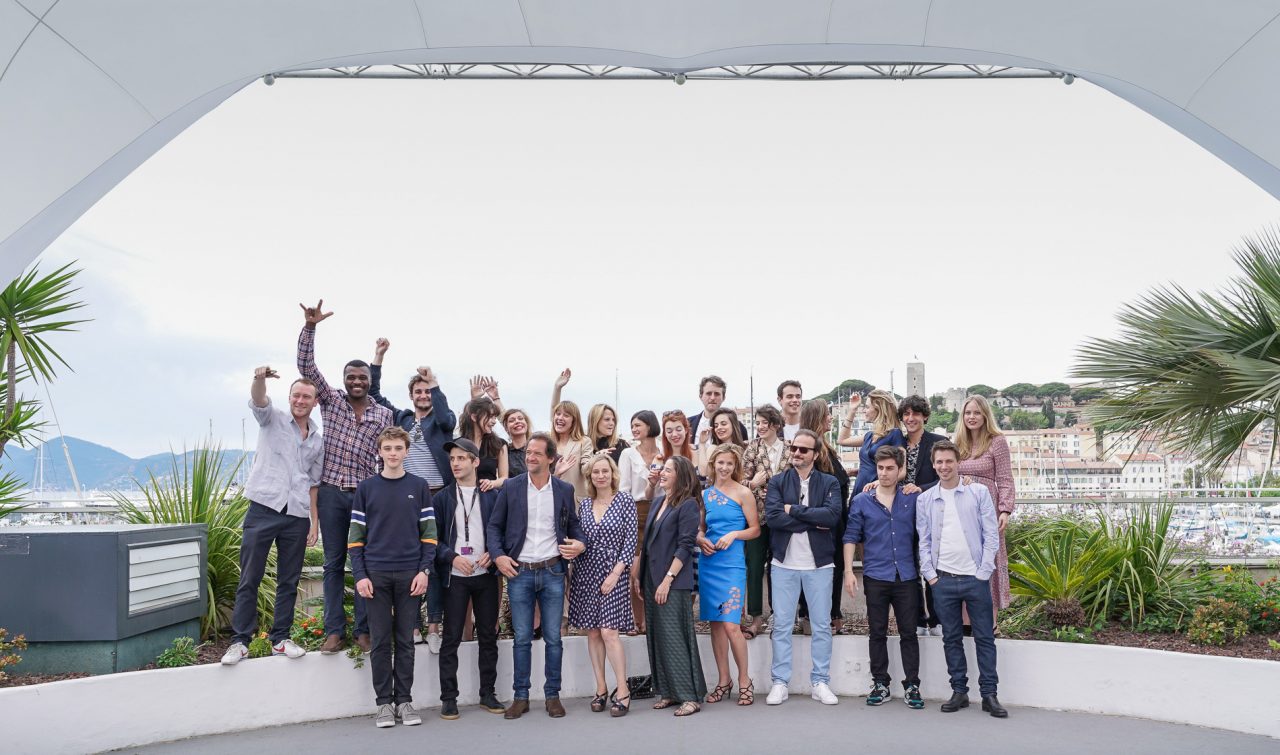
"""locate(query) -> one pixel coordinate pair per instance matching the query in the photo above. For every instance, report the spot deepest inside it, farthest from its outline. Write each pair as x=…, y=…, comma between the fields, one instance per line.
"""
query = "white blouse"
x=634, y=472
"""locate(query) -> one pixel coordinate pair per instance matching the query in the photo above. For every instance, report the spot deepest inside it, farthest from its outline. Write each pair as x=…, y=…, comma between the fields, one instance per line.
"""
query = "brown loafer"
x=518, y=708
x=554, y=708
x=332, y=644
x=364, y=643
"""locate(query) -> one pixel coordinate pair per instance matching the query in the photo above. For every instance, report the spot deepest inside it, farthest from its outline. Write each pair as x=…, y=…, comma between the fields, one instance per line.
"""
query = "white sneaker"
x=823, y=694
x=935, y=631
x=433, y=642
x=287, y=648
x=236, y=653
x=922, y=631
x=777, y=694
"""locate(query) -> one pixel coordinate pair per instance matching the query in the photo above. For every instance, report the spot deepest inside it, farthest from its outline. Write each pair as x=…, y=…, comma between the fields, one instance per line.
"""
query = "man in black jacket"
x=467, y=575
x=914, y=412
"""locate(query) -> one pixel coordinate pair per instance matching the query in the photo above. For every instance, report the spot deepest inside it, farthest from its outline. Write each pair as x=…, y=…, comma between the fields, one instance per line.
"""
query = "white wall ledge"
x=111, y=709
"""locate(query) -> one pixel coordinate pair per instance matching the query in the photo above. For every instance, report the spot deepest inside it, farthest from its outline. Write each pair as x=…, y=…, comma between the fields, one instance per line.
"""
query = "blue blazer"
x=673, y=537
x=819, y=517
x=445, y=504
x=506, y=528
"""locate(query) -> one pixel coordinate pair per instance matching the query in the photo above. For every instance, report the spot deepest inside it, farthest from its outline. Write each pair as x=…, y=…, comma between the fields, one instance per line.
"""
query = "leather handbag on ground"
x=641, y=686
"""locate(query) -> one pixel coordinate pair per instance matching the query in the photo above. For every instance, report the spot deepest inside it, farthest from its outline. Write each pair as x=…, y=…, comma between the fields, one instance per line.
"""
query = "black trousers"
x=393, y=613
x=904, y=596
x=264, y=526
x=483, y=592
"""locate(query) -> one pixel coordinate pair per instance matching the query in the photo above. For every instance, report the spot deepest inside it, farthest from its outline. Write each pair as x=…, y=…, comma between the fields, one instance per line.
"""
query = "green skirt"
x=673, y=647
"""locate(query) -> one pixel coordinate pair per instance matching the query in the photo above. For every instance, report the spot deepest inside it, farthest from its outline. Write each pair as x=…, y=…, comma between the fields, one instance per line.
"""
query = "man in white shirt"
x=711, y=392
x=959, y=538
x=790, y=397
x=467, y=576
x=533, y=531
x=801, y=508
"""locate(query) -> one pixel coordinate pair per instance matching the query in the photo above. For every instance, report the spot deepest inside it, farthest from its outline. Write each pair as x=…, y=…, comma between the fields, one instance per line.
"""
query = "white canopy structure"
x=89, y=89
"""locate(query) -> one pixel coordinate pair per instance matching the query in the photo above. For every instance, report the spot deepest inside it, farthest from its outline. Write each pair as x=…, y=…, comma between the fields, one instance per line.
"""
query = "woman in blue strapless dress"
x=729, y=518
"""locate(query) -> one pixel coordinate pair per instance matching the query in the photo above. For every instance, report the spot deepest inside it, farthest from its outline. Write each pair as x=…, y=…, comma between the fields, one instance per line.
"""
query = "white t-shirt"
x=467, y=504
x=799, y=551
x=789, y=431
x=953, y=552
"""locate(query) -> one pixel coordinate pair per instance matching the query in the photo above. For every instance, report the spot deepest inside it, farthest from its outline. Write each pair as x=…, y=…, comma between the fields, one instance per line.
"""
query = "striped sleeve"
x=426, y=531
x=357, y=534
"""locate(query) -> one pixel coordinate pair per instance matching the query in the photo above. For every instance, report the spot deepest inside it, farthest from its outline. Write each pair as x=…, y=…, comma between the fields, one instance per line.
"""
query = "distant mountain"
x=98, y=467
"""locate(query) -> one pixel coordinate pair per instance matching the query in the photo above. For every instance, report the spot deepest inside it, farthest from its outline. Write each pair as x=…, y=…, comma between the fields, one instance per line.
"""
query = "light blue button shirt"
x=977, y=518
x=285, y=467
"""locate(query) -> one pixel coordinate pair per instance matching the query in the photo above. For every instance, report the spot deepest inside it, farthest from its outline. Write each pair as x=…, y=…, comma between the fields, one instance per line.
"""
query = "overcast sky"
x=812, y=230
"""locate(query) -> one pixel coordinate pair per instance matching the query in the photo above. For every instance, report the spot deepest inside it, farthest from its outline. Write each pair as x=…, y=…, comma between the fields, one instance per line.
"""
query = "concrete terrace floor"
x=796, y=725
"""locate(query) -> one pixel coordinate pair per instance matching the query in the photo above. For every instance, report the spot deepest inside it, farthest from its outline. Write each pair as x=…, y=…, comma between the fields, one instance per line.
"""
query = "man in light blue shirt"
x=282, y=511
x=959, y=538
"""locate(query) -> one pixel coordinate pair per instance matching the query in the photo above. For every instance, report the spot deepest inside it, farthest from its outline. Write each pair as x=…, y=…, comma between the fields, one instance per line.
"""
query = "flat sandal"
x=665, y=702
x=687, y=709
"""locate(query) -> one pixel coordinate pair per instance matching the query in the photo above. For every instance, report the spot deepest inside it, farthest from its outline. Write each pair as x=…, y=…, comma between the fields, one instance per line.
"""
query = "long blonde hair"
x=575, y=429
x=886, y=414
x=593, y=422
x=967, y=446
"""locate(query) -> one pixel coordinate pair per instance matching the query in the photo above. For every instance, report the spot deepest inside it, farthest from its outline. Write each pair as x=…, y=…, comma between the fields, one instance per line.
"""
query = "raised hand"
x=315, y=315
x=563, y=380
x=477, y=386
x=380, y=347
x=429, y=376
x=490, y=387
x=265, y=372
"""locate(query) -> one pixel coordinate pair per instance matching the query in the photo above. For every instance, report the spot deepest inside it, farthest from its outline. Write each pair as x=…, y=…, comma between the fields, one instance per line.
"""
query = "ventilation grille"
x=163, y=575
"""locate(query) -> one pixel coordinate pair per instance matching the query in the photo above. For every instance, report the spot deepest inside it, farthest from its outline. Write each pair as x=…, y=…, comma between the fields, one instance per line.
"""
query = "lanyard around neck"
x=467, y=509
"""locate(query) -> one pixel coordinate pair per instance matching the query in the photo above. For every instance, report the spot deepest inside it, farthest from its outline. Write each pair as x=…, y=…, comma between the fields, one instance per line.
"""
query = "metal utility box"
x=100, y=598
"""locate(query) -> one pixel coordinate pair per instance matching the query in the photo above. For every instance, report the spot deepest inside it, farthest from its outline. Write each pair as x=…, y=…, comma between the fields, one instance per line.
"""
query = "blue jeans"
x=546, y=587
x=787, y=586
x=335, y=523
x=949, y=594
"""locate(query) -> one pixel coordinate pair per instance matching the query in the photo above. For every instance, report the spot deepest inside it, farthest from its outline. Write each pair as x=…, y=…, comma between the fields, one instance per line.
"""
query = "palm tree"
x=1201, y=370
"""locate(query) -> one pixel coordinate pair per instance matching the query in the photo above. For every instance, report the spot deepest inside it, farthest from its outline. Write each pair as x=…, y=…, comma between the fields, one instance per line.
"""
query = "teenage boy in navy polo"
x=392, y=543
x=884, y=521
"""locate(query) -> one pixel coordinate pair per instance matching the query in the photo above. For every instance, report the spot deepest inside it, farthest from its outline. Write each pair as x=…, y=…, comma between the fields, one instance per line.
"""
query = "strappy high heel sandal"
x=617, y=709
x=720, y=692
x=747, y=694
x=599, y=702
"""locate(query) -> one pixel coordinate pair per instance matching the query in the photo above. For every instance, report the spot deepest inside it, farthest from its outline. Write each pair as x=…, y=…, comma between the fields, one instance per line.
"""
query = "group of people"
x=576, y=527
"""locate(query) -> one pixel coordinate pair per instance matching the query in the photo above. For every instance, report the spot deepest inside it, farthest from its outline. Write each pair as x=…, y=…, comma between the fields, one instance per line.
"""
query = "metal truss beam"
x=773, y=72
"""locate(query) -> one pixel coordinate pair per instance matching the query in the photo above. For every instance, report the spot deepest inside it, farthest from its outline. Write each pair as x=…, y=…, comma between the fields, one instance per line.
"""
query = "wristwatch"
x=671, y=574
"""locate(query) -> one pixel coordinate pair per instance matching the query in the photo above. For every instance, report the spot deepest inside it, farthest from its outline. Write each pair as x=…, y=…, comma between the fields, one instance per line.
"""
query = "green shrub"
x=1061, y=570
x=1261, y=600
x=1218, y=622
x=260, y=646
x=7, y=647
x=1074, y=634
x=183, y=652
x=313, y=556
x=199, y=490
x=1150, y=577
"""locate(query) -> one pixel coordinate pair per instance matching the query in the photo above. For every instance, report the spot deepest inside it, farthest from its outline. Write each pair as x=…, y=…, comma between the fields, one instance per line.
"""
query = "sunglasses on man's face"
x=801, y=449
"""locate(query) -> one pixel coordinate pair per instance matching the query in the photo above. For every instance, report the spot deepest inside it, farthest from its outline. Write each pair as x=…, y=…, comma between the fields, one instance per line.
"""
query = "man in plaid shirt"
x=352, y=421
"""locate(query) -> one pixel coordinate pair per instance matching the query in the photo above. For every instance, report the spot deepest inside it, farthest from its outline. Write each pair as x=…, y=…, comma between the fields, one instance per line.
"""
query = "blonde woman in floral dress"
x=984, y=458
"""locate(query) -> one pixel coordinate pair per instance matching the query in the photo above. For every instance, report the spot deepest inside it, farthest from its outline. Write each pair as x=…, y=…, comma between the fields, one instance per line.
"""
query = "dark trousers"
x=262, y=528
x=484, y=593
x=434, y=600
x=950, y=594
x=393, y=613
x=757, y=555
x=335, y=522
x=928, y=614
x=904, y=596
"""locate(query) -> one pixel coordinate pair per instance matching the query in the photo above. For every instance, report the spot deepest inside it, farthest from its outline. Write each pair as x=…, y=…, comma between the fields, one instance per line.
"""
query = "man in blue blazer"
x=533, y=531
x=802, y=507
x=466, y=575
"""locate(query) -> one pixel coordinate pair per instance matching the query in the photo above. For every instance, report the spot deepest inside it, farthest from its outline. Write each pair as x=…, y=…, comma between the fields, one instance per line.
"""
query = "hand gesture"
x=477, y=387
x=464, y=565
x=364, y=588
x=380, y=347
x=419, y=584
x=910, y=488
x=609, y=583
x=854, y=400
x=704, y=434
x=429, y=376
x=564, y=464
x=563, y=380
x=508, y=566
x=490, y=387
x=264, y=372
x=851, y=584
x=869, y=487
x=571, y=549
x=655, y=470
x=725, y=541
x=314, y=316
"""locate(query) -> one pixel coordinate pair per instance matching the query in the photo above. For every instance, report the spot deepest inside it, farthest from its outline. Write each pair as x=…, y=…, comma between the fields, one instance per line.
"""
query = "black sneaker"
x=912, y=697
x=490, y=703
x=449, y=710
x=879, y=693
